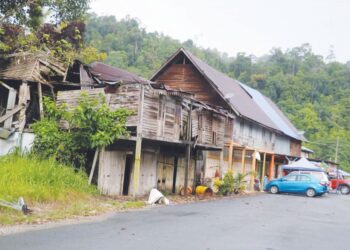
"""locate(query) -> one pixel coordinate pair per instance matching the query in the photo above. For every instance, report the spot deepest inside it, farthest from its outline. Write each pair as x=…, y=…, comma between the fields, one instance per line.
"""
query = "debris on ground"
x=157, y=197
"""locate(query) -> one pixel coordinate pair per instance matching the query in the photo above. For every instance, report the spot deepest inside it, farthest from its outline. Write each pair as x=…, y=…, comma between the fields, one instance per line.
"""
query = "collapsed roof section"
x=32, y=67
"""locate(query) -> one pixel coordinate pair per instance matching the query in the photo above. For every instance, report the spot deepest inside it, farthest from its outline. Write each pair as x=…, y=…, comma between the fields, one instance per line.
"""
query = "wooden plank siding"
x=185, y=77
x=126, y=96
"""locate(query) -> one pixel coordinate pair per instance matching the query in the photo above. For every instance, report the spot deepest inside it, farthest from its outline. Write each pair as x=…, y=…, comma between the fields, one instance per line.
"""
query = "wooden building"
x=167, y=130
x=262, y=136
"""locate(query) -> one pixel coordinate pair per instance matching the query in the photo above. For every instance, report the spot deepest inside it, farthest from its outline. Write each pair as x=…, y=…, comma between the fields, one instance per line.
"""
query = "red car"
x=342, y=184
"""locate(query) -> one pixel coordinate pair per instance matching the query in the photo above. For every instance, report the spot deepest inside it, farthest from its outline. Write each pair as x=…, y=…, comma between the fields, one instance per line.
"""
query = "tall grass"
x=41, y=180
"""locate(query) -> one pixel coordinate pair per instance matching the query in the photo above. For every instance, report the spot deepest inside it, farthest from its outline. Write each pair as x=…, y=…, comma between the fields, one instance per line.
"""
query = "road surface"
x=262, y=221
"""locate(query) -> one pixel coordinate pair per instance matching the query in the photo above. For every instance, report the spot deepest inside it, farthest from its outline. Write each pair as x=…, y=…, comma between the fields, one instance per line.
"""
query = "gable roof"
x=245, y=101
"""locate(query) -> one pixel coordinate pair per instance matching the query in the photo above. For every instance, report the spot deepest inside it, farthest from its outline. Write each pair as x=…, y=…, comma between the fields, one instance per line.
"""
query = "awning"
x=302, y=164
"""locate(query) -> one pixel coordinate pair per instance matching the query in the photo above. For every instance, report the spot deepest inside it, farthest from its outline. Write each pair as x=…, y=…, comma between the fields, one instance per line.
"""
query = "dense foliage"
x=312, y=91
x=89, y=125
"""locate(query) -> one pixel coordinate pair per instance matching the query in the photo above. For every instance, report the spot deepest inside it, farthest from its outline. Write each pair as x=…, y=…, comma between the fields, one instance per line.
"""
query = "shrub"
x=91, y=124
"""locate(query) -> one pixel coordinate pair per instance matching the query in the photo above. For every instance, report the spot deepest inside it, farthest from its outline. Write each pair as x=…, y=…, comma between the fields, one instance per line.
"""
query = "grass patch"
x=52, y=190
x=133, y=204
x=40, y=180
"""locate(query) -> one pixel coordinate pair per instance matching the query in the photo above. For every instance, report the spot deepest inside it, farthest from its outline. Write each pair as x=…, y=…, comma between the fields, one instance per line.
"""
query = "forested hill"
x=312, y=91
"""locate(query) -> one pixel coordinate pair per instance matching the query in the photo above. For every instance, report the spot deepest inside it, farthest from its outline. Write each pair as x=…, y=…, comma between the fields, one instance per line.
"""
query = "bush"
x=41, y=180
x=91, y=125
x=230, y=184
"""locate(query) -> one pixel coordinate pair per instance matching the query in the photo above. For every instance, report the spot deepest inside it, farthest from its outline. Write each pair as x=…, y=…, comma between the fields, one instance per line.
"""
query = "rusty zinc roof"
x=244, y=102
x=110, y=74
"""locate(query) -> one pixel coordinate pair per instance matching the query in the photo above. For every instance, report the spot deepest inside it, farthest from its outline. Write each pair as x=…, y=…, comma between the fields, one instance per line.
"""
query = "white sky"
x=251, y=26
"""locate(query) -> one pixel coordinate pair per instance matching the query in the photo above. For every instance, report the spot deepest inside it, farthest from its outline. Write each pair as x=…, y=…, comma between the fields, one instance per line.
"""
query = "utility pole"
x=336, y=159
x=336, y=150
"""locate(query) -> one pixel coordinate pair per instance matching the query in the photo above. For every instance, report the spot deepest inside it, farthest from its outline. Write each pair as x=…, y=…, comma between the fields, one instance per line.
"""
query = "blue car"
x=297, y=183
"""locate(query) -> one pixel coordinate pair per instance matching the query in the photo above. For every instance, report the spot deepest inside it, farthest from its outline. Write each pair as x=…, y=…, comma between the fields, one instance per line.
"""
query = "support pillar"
x=41, y=106
x=253, y=172
x=221, y=166
x=272, y=167
x=263, y=169
x=230, y=155
x=243, y=161
x=137, y=166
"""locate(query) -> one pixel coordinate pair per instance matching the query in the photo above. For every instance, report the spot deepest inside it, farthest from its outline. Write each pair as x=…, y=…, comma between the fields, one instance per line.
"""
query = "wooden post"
x=230, y=155
x=11, y=101
x=24, y=96
x=221, y=166
x=137, y=164
x=93, y=165
x=40, y=95
x=253, y=171
x=243, y=161
x=272, y=167
x=263, y=170
x=188, y=148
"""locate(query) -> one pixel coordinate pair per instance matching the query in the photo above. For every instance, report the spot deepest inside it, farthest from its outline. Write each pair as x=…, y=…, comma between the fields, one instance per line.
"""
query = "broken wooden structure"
x=167, y=129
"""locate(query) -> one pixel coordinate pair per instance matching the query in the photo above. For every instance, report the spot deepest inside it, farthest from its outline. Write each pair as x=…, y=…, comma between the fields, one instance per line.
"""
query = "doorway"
x=127, y=173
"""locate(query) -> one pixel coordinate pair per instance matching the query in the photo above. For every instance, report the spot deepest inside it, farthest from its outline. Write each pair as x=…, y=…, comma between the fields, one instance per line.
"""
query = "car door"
x=303, y=183
x=288, y=184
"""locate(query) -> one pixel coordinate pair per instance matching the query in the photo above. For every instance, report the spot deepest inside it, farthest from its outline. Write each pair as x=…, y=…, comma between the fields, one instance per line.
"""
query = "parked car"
x=342, y=184
x=321, y=176
x=297, y=183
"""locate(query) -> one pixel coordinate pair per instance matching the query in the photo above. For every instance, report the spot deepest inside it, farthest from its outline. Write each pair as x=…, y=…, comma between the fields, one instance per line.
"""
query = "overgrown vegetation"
x=88, y=126
x=41, y=180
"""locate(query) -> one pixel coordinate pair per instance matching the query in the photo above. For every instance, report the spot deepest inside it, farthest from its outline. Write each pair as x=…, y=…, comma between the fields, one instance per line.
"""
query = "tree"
x=91, y=124
x=30, y=13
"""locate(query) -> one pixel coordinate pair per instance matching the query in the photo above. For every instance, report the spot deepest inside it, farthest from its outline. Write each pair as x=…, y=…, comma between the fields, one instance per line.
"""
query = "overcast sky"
x=251, y=26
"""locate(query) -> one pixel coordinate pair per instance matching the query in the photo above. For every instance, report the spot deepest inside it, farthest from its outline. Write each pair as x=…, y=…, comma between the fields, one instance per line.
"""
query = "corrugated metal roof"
x=244, y=100
x=109, y=73
x=272, y=111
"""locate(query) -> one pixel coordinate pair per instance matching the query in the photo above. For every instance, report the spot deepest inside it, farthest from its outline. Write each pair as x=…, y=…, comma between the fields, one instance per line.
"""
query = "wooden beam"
x=40, y=96
x=230, y=155
x=5, y=85
x=253, y=172
x=24, y=96
x=11, y=102
x=243, y=161
x=13, y=111
x=263, y=169
x=188, y=148
x=221, y=166
x=138, y=146
x=272, y=167
x=93, y=165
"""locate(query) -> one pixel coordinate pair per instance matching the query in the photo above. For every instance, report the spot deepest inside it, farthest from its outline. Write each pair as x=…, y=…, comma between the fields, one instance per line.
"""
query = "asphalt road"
x=255, y=222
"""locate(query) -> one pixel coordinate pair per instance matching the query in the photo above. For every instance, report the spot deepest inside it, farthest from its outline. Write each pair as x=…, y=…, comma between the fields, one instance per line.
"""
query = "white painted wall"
x=6, y=146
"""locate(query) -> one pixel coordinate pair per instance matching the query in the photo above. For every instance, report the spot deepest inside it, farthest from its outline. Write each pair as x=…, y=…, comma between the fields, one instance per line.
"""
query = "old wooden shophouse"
x=262, y=137
x=168, y=129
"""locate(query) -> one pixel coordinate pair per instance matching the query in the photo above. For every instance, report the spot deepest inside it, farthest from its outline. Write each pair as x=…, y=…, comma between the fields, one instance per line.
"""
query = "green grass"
x=40, y=180
x=52, y=190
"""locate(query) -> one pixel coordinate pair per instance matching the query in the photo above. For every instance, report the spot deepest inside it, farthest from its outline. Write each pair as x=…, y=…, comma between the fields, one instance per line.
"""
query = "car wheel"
x=274, y=190
x=344, y=189
x=310, y=192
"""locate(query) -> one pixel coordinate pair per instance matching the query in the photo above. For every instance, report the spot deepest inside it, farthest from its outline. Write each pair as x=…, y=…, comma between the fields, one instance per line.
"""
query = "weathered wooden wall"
x=126, y=96
x=209, y=127
x=188, y=79
x=111, y=172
